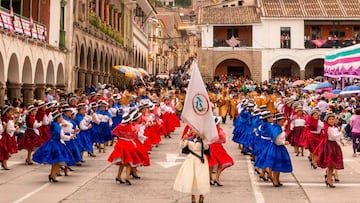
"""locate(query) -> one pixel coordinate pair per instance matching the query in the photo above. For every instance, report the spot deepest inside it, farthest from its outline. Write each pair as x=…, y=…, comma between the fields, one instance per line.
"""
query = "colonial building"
x=102, y=38
x=31, y=49
x=263, y=39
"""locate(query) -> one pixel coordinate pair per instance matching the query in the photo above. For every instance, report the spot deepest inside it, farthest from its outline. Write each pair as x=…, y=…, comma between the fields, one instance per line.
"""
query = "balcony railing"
x=223, y=43
x=96, y=22
x=311, y=44
x=15, y=23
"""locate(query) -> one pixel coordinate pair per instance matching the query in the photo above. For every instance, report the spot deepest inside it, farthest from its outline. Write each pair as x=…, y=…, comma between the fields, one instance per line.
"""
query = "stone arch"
x=13, y=69
x=82, y=57
x=27, y=71
x=95, y=62
x=39, y=72
x=314, y=68
x=60, y=77
x=106, y=63
x=285, y=67
x=50, y=74
x=233, y=67
x=89, y=59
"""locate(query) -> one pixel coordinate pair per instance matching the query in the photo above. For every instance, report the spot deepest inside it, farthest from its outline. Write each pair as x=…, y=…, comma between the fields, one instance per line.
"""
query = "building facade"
x=266, y=39
x=31, y=57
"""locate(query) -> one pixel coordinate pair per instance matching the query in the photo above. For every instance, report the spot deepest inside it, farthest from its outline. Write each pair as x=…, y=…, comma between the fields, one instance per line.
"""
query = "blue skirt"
x=261, y=146
x=94, y=132
x=75, y=151
x=116, y=121
x=104, y=134
x=238, y=132
x=53, y=151
x=83, y=141
x=275, y=157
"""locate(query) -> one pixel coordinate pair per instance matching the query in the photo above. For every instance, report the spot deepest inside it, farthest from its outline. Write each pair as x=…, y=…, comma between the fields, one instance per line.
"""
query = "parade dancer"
x=31, y=138
x=330, y=153
x=70, y=128
x=193, y=175
x=95, y=128
x=8, y=140
x=313, y=130
x=218, y=158
x=54, y=151
x=125, y=153
x=275, y=156
x=105, y=125
x=84, y=123
x=170, y=120
x=265, y=132
x=297, y=126
x=41, y=116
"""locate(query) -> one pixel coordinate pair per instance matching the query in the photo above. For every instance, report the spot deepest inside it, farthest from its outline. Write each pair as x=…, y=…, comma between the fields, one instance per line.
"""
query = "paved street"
x=95, y=180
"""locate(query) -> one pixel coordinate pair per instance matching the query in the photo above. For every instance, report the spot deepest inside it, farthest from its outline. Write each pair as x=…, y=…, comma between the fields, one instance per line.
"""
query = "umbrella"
x=143, y=72
x=329, y=95
x=298, y=83
x=353, y=89
x=310, y=87
x=336, y=91
x=319, y=78
x=128, y=71
x=324, y=85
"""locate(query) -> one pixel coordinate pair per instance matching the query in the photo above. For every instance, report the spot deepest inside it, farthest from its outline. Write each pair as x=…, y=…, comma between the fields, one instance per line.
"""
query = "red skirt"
x=125, y=152
x=169, y=122
x=313, y=141
x=142, y=148
x=8, y=146
x=295, y=135
x=153, y=134
x=45, y=133
x=30, y=140
x=219, y=156
x=331, y=156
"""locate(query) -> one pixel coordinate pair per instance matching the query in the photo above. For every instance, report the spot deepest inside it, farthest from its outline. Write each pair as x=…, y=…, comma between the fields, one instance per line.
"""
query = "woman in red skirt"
x=125, y=153
x=297, y=126
x=8, y=140
x=169, y=118
x=313, y=132
x=218, y=155
x=330, y=154
x=41, y=116
x=31, y=138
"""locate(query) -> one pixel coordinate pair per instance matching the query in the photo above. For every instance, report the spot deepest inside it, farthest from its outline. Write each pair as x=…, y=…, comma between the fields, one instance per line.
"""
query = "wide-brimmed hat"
x=41, y=104
x=328, y=115
x=151, y=106
x=217, y=120
x=314, y=111
x=55, y=114
x=93, y=104
x=5, y=109
x=31, y=108
x=143, y=106
x=81, y=105
x=135, y=115
x=279, y=116
x=126, y=118
x=299, y=108
x=266, y=114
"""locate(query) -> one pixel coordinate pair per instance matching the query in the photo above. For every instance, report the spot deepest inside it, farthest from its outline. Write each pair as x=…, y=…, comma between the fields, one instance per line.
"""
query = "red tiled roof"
x=311, y=8
x=229, y=15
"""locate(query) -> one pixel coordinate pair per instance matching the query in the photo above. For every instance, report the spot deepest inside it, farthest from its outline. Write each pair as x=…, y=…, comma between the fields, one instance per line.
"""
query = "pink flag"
x=197, y=110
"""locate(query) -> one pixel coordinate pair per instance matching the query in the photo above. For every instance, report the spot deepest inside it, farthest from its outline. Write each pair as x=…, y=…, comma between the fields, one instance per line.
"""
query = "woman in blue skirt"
x=54, y=151
x=276, y=156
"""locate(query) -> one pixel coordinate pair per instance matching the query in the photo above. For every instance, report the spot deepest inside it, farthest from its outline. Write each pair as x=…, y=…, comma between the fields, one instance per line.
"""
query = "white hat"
x=217, y=120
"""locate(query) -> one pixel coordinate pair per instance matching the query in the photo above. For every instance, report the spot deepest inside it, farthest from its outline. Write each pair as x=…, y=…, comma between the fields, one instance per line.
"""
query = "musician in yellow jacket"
x=223, y=103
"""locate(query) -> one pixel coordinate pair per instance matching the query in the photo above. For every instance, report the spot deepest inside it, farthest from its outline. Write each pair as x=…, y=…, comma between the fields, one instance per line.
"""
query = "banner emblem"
x=200, y=104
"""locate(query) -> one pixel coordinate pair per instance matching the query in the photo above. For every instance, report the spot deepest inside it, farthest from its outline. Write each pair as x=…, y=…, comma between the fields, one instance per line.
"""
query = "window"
x=240, y=3
x=171, y=4
x=315, y=32
x=285, y=36
x=232, y=32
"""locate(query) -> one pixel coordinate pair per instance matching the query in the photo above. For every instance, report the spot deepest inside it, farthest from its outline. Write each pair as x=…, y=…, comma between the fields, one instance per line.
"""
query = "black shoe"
x=119, y=180
x=127, y=182
x=280, y=184
x=217, y=183
x=263, y=178
x=78, y=164
x=337, y=180
x=51, y=179
x=276, y=185
x=313, y=166
x=91, y=154
x=82, y=161
x=134, y=176
x=257, y=171
x=329, y=185
x=28, y=162
x=70, y=169
x=5, y=168
x=212, y=182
